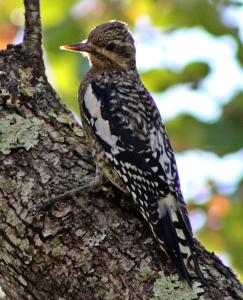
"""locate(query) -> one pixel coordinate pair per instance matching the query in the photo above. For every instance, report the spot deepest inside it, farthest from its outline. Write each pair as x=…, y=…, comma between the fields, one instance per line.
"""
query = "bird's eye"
x=110, y=46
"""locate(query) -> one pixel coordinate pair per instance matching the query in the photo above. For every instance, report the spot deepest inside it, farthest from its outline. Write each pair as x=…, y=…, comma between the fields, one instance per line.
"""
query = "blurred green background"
x=190, y=56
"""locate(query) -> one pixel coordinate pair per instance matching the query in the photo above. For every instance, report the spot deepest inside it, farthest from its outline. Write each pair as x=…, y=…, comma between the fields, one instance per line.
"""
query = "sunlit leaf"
x=160, y=79
x=224, y=136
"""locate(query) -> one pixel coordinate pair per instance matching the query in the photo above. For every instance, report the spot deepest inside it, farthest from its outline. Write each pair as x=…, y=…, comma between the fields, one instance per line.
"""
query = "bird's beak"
x=81, y=47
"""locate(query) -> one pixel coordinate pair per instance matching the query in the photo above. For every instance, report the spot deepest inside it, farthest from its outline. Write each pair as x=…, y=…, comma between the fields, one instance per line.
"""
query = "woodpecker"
x=129, y=141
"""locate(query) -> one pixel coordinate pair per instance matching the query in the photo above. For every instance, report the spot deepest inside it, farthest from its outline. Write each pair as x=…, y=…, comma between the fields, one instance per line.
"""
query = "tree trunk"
x=89, y=247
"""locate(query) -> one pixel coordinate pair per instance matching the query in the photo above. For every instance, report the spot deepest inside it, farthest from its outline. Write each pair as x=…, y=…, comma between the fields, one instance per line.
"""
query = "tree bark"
x=92, y=246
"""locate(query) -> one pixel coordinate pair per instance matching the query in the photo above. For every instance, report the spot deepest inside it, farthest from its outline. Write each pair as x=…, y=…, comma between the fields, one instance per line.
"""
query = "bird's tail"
x=176, y=239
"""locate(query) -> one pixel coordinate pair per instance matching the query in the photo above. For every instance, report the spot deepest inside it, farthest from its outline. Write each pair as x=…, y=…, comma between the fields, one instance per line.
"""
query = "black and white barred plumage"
x=127, y=123
x=130, y=143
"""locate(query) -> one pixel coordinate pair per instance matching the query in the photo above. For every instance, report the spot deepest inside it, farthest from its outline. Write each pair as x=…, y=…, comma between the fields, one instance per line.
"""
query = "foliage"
x=70, y=22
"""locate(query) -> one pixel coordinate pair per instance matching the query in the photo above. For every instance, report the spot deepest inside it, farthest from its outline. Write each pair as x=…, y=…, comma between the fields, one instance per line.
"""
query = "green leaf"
x=158, y=80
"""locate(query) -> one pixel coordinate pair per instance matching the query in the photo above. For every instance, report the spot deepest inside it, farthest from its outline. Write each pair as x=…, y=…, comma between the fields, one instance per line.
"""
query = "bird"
x=130, y=144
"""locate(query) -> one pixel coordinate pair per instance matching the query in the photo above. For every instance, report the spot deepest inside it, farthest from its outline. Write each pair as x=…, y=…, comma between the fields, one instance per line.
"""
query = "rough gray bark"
x=90, y=247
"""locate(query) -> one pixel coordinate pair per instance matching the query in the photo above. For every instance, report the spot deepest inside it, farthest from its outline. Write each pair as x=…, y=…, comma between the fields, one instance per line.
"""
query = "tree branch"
x=95, y=248
x=33, y=32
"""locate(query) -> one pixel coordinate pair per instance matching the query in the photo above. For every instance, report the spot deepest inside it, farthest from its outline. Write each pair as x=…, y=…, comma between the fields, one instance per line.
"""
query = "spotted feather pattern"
x=125, y=121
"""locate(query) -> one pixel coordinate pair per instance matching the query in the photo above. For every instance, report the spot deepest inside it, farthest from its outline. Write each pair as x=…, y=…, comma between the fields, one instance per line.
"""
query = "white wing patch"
x=102, y=126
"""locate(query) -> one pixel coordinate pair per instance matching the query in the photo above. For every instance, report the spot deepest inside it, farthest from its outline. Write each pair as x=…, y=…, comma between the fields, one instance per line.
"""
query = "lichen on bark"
x=171, y=288
x=19, y=132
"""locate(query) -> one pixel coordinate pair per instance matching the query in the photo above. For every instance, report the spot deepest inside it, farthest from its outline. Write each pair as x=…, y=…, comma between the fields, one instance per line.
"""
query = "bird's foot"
x=89, y=185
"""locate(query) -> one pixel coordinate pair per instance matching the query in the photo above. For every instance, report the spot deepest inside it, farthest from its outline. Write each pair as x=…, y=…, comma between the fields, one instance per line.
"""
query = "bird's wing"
x=127, y=123
x=124, y=117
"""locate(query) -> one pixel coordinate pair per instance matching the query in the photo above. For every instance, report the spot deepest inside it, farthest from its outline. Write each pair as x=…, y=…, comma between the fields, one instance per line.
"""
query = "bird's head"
x=109, y=46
